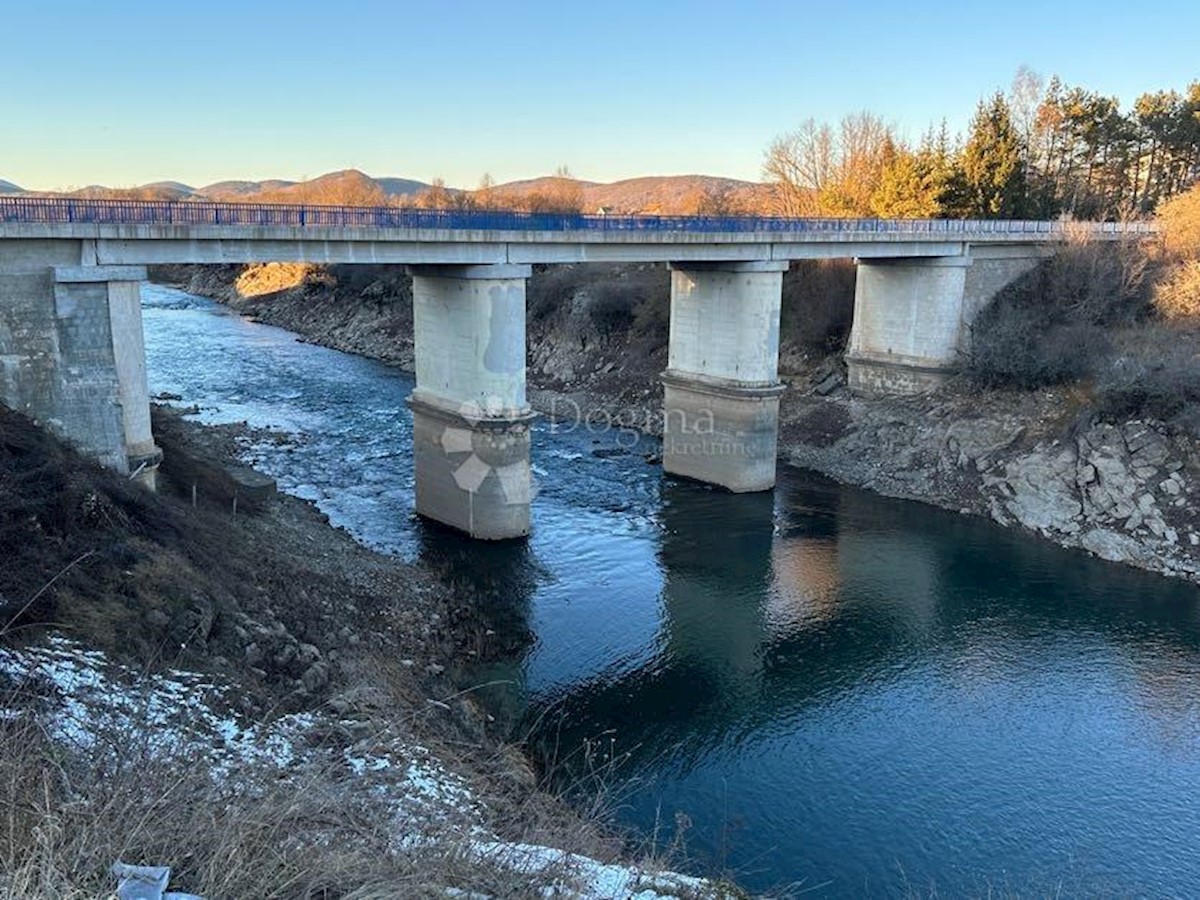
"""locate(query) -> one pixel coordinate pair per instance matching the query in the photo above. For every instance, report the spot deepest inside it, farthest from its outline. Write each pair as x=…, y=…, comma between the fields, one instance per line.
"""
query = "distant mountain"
x=348, y=187
x=240, y=190
x=7, y=187
x=161, y=190
x=658, y=194
x=170, y=187
x=654, y=194
x=401, y=187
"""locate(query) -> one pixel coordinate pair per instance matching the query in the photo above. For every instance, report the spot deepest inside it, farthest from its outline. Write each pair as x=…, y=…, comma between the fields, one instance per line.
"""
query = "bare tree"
x=484, y=195
x=799, y=165
x=717, y=198
x=436, y=196
x=1024, y=98
x=816, y=170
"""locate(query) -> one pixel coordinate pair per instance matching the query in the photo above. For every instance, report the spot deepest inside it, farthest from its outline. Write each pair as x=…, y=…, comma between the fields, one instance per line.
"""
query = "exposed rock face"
x=1125, y=493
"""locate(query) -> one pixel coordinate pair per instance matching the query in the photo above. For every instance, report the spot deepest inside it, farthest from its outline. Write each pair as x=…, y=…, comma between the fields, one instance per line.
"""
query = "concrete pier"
x=908, y=324
x=470, y=418
x=721, y=388
x=72, y=355
x=118, y=288
x=912, y=317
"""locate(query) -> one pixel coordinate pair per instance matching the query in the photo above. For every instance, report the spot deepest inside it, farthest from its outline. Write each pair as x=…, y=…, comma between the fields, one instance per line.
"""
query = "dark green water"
x=847, y=694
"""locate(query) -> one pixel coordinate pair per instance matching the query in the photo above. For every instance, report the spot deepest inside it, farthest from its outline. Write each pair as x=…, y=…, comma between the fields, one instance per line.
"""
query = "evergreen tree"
x=992, y=164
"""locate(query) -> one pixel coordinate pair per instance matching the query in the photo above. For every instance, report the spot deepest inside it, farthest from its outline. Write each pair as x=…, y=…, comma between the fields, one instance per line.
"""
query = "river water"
x=816, y=688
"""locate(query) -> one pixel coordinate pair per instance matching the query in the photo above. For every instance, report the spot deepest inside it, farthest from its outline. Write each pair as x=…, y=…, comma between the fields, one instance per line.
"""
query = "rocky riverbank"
x=1125, y=491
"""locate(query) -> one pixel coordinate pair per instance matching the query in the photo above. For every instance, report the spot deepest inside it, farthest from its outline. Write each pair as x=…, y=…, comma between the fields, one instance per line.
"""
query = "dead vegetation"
x=1122, y=320
x=312, y=830
x=160, y=586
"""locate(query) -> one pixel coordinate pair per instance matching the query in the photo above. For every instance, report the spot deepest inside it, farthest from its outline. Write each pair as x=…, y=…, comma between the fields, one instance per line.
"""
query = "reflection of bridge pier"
x=716, y=556
x=849, y=560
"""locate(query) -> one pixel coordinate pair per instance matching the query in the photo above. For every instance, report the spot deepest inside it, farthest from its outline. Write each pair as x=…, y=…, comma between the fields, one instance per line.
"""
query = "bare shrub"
x=818, y=303
x=1177, y=295
x=1180, y=222
x=611, y=306
x=549, y=287
x=1154, y=371
x=1053, y=325
x=652, y=318
x=1023, y=348
x=620, y=298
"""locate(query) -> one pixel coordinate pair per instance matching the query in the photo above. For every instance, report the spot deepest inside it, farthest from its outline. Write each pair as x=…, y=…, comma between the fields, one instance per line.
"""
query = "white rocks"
x=1110, y=545
x=1043, y=496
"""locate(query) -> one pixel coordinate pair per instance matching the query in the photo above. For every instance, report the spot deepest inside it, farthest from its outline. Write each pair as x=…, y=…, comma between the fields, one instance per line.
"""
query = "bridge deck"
x=148, y=232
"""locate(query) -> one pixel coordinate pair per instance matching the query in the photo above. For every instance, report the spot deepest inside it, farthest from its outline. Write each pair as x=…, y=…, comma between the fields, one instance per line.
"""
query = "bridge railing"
x=60, y=210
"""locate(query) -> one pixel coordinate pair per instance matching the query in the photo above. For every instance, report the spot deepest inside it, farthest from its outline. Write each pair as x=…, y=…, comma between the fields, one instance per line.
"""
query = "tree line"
x=1041, y=150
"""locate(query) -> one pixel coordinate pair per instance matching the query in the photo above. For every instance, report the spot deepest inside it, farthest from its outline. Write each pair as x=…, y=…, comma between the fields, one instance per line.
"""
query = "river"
x=817, y=688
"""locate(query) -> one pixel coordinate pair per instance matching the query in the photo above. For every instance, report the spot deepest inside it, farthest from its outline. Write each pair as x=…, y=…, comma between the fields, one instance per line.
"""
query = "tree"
x=992, y=163
x=436, y=196
x=717, y=198
x=798, y=166
x=817, y=171
x=908, y=189
x=561, y=193
x=484, y=194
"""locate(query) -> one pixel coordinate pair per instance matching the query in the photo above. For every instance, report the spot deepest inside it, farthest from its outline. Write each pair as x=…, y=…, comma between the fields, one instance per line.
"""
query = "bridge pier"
x=721, y=388
x=908, y=323
x=912, y=316
x=72, y=355
x=470, y=418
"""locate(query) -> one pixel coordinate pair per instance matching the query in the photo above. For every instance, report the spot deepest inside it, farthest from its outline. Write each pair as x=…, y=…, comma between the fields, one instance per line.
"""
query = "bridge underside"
x=72, y=357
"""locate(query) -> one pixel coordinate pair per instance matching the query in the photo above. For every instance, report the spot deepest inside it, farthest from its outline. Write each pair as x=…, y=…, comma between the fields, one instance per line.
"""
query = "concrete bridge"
x=72, y=355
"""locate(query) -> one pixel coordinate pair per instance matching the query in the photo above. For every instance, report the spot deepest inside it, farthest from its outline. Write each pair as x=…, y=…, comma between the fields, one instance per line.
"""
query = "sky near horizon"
x=126, y=93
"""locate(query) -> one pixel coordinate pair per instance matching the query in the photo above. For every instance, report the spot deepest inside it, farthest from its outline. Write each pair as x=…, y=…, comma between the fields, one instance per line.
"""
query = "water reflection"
x=844, y=671
x=714, y=581
x=834, y=687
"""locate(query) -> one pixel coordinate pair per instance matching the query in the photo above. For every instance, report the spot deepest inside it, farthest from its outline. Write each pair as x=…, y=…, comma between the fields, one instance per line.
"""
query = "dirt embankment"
x=374, y=769
x=1126, y=491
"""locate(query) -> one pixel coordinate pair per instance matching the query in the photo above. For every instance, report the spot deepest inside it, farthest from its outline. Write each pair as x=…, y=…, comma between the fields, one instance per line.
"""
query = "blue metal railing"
x=60, y=210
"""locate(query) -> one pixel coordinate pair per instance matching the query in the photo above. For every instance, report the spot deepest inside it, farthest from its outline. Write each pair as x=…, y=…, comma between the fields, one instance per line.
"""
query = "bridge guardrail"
x=66, y=210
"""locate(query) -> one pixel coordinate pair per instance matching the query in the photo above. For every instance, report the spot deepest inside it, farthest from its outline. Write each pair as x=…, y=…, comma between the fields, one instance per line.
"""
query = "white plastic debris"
x=146, y=883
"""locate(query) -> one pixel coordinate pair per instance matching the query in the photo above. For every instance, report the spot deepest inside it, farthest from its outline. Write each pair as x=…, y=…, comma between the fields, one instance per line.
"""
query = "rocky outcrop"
x=1126, y=493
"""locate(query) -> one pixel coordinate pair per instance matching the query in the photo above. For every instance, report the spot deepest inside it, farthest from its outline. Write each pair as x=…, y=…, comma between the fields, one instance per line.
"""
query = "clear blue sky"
x=124, y=93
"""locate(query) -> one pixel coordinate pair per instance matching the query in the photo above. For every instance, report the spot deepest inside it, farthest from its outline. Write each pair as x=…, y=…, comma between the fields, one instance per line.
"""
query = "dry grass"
x=271, y=278
x=1180, y=221
x=68, y=817
x=308, y=831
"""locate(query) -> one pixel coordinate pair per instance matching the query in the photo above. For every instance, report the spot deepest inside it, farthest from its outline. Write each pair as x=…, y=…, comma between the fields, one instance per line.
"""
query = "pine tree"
x=992, y=163
x=913, y=186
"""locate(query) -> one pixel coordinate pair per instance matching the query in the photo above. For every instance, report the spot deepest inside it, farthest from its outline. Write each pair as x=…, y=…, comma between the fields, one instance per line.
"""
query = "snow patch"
x=96, y=706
